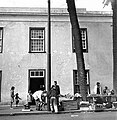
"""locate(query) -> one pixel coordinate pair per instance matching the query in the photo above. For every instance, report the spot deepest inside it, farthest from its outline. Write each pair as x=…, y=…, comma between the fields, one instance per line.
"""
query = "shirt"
x=37, y=95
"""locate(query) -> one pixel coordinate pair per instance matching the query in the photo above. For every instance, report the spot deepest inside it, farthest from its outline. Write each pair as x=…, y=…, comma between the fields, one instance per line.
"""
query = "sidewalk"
x=6, y=111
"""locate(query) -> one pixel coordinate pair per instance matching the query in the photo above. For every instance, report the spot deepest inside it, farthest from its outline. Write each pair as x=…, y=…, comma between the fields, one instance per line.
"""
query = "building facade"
x=23, y=50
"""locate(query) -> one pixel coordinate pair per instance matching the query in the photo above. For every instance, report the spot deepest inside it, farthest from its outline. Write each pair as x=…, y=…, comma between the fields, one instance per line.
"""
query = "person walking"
x=12, y=96
x=17, y=98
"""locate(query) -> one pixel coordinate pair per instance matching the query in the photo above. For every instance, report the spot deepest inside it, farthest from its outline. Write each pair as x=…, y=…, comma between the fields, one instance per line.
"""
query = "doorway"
x=36, y=84
x=36, y=80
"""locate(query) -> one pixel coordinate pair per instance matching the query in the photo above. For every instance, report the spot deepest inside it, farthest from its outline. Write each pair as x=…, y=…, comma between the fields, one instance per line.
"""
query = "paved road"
x=67, y=116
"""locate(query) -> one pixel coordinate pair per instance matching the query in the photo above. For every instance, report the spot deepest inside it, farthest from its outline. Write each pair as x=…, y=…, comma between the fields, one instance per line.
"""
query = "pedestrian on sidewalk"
x=38, y=95
x=29, y=98
x=53, y=99
x=97, y=88
x=17, y=98
x=12, y=96
x=57, y=91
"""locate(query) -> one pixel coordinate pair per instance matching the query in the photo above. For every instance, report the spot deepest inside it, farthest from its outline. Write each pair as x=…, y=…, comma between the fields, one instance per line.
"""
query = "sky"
x=90, y=5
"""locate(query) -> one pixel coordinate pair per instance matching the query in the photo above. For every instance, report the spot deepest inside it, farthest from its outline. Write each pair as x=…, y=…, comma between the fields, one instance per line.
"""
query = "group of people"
x=14, y=97
x=53, y=96
x=98, y=90
x=39, y=97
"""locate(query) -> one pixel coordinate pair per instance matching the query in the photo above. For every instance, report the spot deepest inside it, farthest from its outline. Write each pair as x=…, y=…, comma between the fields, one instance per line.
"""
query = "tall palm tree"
x=78, y=47
x=114, y=8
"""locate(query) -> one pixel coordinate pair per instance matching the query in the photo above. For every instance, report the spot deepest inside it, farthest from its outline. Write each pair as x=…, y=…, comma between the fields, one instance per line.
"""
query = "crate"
x=98, y=107
x=84, y=105
x=115, y=104
x=69, y=105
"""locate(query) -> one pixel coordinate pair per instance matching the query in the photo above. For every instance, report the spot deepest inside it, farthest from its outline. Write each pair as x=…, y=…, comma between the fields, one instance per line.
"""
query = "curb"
x=23, y=113
x=48, y=112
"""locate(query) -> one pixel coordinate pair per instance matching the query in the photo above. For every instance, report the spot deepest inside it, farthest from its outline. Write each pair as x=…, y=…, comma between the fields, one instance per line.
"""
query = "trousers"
x=53, y=104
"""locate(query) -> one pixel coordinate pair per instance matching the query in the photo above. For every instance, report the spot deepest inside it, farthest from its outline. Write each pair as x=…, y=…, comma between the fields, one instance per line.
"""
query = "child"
x=17, y=98
x=29, y=98
x=12, y=96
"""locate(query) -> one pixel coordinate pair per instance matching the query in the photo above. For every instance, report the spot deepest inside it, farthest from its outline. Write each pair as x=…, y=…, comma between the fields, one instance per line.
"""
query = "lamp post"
x=49, y=57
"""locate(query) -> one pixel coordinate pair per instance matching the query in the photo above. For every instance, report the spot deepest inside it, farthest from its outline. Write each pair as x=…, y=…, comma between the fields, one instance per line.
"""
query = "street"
x=67, y=116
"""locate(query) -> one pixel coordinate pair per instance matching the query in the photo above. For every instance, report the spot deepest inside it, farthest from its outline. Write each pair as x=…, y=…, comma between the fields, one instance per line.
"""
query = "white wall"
x=15, y=61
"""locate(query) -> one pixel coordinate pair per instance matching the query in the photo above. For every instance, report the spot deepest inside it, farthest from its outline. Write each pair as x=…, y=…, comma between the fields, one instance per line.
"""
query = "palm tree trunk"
x=114, y=7
x=78, y=47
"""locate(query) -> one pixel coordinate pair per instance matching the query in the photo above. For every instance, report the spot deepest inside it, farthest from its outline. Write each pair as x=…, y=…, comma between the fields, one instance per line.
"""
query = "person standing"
x=98, y=88
x=53, y=99
x=12, y=96
x=57, y=92
x=29, y=98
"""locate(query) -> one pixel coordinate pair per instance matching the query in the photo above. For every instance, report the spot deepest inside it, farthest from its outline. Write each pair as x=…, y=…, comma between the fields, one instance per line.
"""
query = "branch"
x=106, y=2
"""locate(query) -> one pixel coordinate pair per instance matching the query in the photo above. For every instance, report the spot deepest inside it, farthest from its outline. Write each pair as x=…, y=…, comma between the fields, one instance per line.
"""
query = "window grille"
x=37, y=39
x=84, y=40
x=83, y=36
x=1, y=39
x=76, y=81
x=37, y=73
